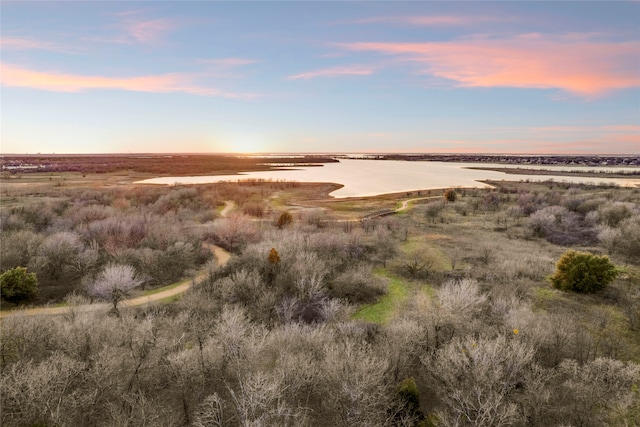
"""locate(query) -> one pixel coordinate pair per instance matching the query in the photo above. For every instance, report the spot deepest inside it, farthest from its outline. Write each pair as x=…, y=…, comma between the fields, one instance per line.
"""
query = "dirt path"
x=405, y=203
x=228, y=207
x=222, y=256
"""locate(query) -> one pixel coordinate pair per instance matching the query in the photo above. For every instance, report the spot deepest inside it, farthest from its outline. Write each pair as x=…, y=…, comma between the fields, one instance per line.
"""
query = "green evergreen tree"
x=583, y=272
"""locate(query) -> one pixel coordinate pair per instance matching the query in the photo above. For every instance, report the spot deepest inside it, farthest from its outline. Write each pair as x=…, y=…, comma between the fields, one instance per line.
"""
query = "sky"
x=330, y=76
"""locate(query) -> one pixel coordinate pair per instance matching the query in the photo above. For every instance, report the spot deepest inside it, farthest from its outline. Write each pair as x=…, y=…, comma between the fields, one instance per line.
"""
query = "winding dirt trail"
x=405, y=203
x=222, y=256
x=228, y=207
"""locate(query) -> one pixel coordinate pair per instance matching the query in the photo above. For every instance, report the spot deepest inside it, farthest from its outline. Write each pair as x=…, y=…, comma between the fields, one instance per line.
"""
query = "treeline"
x=175, y=164
x=521, y=160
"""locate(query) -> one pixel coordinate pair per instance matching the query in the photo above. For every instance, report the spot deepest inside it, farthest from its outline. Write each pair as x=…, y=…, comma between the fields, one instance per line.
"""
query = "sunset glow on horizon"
x=257, y=77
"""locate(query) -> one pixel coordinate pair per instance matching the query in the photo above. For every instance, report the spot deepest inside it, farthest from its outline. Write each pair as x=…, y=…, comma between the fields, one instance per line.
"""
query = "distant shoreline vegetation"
x=228, y=164
x=576, y=172
x=519, y=159
x=160, y=164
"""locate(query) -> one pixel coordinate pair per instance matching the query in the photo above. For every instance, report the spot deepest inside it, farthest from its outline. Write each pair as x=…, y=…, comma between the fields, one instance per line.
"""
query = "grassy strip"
x=381, y=312
x=13, y=307
x=170, y=300
x=429, y=291
x=145, y=293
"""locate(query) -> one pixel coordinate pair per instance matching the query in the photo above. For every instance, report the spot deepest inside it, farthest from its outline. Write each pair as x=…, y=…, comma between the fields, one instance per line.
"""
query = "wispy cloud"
x=133, y=27
x=433, y=20
x=148, y=31
x=22, y=43
x=623, y=145
x=583, y=67
x=228, y=62
x=16, y=76
x=225, y=68
x=588, y=129
x=355, y=70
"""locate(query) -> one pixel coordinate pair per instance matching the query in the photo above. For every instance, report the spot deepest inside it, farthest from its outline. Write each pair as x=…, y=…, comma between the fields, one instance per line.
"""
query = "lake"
x=362, y=178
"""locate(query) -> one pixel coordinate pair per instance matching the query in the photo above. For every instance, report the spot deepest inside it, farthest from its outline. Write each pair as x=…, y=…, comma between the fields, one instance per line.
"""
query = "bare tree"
x=630, y=244
x=610, y=238
x=210, y=412
x=114, y=283
x=43, y=393
x=600, y=392
x=234, y=232
x=56, y=256
x=418, y=261
x=462, y=297
x=18, y=248
x=478, y=378
x=385, y=245
x=356, y=385
x=258, y=402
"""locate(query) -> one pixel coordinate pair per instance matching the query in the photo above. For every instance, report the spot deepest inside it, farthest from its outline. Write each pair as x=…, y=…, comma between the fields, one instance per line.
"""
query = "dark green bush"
x=16, y=285
x=408, y=391
x=583, y=272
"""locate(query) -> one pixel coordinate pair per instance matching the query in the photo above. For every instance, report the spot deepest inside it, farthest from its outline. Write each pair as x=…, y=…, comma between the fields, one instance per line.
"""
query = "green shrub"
x=583, y=272
x=16, y=285
x=410, y=400
x=408, y=391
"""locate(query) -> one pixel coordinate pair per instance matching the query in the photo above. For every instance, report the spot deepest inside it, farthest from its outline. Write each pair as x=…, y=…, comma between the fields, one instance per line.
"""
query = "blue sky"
x=496, y=77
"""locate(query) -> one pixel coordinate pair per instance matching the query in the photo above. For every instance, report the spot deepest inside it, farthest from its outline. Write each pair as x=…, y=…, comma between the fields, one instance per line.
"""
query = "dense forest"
x=444, y=314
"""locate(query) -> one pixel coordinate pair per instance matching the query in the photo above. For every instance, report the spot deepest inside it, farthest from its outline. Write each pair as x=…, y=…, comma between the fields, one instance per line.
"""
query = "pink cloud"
x=334, y=72
x=19, y=43
x=16, y=76
x=435, y=20
x=623, y=145
x=149, y=31
x=228, y=62
x=589, y=129
x=133, y=29
x=624, y=128
x=582, y=67
x=593, y=129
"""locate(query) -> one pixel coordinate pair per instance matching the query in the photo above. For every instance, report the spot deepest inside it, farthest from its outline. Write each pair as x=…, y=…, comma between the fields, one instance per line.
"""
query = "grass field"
x=397, y=292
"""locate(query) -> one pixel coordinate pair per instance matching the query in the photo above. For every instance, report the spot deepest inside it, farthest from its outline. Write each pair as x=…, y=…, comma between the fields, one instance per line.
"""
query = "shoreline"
x=226, y=164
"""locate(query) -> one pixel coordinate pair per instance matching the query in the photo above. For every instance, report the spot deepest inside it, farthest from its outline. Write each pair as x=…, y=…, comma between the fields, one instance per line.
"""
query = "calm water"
x=374, y=177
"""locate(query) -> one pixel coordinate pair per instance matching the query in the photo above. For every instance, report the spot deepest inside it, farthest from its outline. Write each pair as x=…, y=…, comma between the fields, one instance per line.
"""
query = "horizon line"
x=320, y=153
